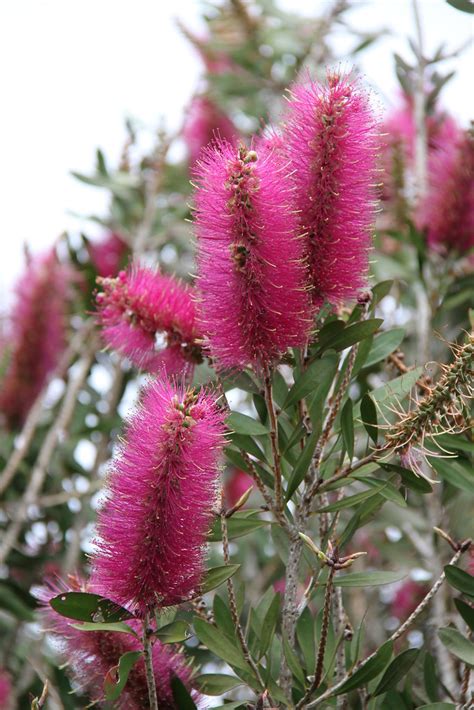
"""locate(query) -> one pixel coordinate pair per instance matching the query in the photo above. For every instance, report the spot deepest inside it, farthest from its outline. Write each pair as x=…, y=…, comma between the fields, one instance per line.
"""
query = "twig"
x=40, y=470
x=399, y=632
x=150, y=676
x=233, y=608
x=274, y=439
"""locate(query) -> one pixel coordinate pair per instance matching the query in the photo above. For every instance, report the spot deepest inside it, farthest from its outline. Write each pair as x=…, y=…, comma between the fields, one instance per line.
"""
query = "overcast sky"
x=72, y=70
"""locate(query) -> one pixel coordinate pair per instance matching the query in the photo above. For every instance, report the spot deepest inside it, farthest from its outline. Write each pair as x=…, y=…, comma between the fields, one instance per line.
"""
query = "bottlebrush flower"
x=150, y=318
x=407, y=597
x=205, y=123
x=251, y=276
x=108, y=254
x=163, y=483
x=6, y=695
x=331, y=139
x=447, y=211
x=37, y=334
x=93, y=656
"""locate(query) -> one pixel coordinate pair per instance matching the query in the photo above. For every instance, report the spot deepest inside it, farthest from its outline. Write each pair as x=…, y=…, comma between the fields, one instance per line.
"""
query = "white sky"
x=72, y=70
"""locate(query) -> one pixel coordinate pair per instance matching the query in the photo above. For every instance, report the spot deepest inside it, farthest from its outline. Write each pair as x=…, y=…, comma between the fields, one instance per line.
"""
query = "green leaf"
x=269, y=625
x=117, y=627
x=463, y=5
x=460, y=580
x=466, y=611
x=89, y=607
x=455, y=442
x=113, y=688
x=317, y=372
x=293, y=663
x=367, y=579
x=181, y=695
x=305, y=636
x=354, y=334
x=216, y=576
x=457, y=644
x=437, y=706
x=381, y=290
x=236, y=527
x=430, y=677
x=397, y=670
x=215, y=683
x=175, y=632
x=383, y=345
x=350, y=501
x=388, y=490
x=242, y=424
x=369, y=670
x=368, y=412
x=455, y=472
x=219, y=644
x=10, y=601
x=409, y=479
x=246, y=443
x=302, y=464
x=347, y=427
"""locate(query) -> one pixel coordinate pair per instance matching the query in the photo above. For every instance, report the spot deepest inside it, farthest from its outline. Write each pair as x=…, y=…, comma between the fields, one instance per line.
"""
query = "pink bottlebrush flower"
x=447, y=212
x=93, y=657
x=251, y=275
x=6, y=688
x=37, y=334
x=108, y=254
x=236, y=485
x=163, y=483
x=331, y=139
x=206, y=123
x=150, y=318
x=407, y=597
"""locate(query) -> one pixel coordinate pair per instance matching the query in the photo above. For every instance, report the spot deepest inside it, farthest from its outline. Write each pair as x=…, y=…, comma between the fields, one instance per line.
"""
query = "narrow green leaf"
x=457, y=644
x=113, y=688
x=175, y=632
x=216, y=576
x=430, y=677
x=354, y=334
x=437, y=706
x=315, y=373
x=242, y=424
x=466, y=611
x=369, y=671
x=269, y=625
x=219, y=644
x=215, y=683
x=351, y=501
x=462, y=5
x=459, y=579
x=458, y=474
x=347, y=427
x=388, y=491
x=409, y=479
x=181, y=696
x=236, y=527
x=11, y=601
x=117, y=627
x=302, y=465
x=368, y=412
x=367, y=579
x=222, y=616
x=381, y=290
x=305, y=636
x=293, y=662
x=246, y=443
x=397, y=670
x=88, y=607
x=383, y=345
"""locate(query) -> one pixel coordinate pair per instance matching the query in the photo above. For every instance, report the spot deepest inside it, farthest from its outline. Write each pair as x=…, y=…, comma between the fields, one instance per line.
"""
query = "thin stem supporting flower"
x=274, y=439
x=147, y=656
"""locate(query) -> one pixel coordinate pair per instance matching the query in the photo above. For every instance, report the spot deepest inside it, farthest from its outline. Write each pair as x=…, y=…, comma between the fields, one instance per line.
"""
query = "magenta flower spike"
x=206, y=123
x=161, y=494
x=447, y=212
x=6, y=691
x=150, y=318
x=36, y=334
x=331, y=142
x=108, y=254
x=92, y=658
x=254, y=303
